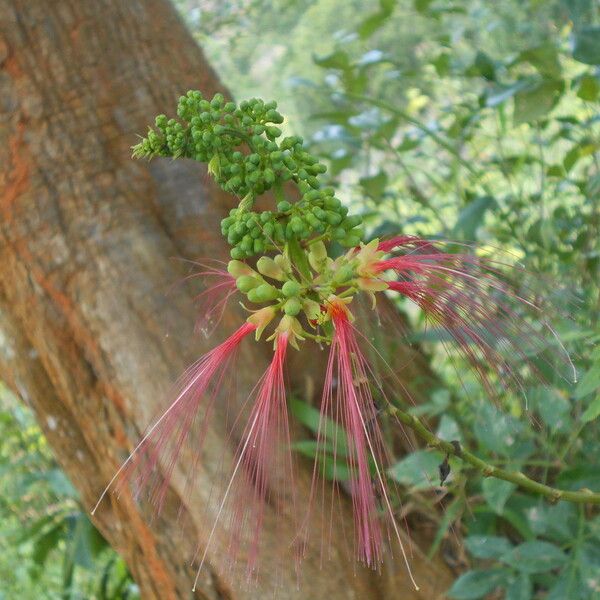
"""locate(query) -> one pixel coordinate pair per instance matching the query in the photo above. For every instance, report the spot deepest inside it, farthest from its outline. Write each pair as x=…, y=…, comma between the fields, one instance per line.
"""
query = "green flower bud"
x=269, y=268
x=245, y=283
x=332, y=203
x=345, y=273
x=297, y=225
x=333, y=218
x=283, y=206
x=265, y=293
x=237, y=268
x=291, y=288
x=351, y=240
x=352, y=221
x=217, y=101
x=292, y=307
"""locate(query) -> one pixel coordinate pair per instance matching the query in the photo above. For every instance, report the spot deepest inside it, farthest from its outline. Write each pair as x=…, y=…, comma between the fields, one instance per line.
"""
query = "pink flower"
x=194, y=397
x=264, y=470
x=478, y=302
x=348, y=403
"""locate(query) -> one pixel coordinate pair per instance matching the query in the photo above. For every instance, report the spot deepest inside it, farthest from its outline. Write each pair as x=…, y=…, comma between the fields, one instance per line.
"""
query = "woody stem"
x=583, y=496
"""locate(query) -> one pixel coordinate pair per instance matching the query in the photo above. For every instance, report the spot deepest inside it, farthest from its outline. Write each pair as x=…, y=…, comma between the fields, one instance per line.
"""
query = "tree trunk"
x=89, y=336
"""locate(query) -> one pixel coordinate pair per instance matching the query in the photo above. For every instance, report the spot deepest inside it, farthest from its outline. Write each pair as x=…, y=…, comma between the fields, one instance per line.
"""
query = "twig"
x=583, y=496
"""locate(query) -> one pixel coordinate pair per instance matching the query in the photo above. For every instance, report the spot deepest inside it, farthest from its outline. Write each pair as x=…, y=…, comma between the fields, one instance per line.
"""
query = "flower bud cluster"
x=240, y=144
x=276, y=282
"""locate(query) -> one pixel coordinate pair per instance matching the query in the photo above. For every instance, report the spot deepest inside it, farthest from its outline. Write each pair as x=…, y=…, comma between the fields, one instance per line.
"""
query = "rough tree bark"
x=88, y=336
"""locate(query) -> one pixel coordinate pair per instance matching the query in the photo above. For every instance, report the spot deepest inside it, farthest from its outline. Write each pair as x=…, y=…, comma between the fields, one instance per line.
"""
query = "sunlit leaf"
x=587, y=45
x=536, y=100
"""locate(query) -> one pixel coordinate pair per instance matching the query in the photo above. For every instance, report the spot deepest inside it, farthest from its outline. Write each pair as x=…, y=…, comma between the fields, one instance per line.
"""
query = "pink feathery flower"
x=212, y=300
x=194, y=398
x=263, y=474
x=348, y=403
x=478, y=302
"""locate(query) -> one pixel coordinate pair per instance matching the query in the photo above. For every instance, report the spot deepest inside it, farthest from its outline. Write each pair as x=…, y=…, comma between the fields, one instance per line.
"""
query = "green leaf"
x=422, y=6
x=496, y=492
x=583, y=475
x=374, y=186
x=487, y=546
x=500, y=94
x=544, y=58
x=496, y=431
x=557, y=523
x=310, y=417
x=535, y=557
x=312, y=448
x=589, y=88
x=335, y=60
x=471, y=217
x=450, y=515
x=592, y=412
x=571, y=157
x=592, y=188
x=448, y=429
x=417, y=470
x=441, y=64
x=45, y=543
x=587, y=45
x=520, y=589
x=375, y=21
x=483, y=66
x=552, y=406
x=476, y=584
x=536, y=100
x=589, y=383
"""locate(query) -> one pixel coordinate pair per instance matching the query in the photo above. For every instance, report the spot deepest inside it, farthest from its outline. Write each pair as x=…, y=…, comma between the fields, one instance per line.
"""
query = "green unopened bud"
x=268, y=267
x=237, y=268
x=345, y=273
x=350, y=241
x=291, y=288
x=352, y=221
x=263, y=293
x=245, y=283
x=283, y=262
x=292, y=307
x=333, y=218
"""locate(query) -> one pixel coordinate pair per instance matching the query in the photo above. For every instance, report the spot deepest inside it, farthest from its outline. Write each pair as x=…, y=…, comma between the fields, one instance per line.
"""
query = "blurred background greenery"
x=468, y=120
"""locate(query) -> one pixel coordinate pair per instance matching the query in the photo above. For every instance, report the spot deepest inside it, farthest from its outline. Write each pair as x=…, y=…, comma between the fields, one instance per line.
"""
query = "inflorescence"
x=246, y=155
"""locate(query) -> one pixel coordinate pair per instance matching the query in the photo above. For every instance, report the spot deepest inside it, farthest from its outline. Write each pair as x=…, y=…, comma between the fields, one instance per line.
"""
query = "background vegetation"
x=469, y=120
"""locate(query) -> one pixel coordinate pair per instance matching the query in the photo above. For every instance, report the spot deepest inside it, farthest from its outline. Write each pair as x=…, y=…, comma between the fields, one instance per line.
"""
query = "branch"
x=583, y=496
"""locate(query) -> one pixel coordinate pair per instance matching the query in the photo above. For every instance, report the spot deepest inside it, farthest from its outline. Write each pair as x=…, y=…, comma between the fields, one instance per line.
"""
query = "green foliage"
x=49, y=546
